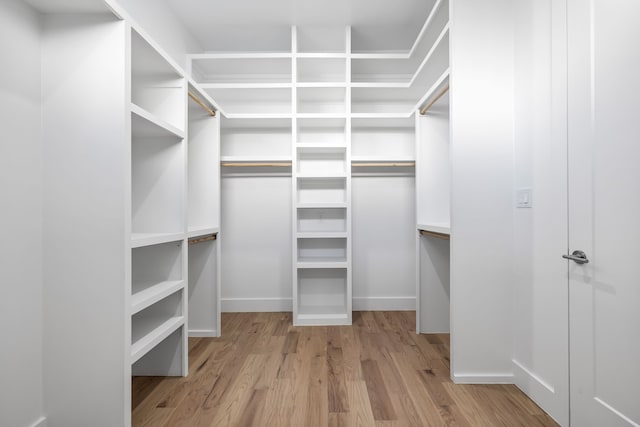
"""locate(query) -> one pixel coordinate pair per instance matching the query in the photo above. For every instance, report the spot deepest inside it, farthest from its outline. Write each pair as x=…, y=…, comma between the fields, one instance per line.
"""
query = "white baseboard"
x=543, y=393
x=42, y=422
x=530, y=381
x=384, y=303
x=249, y=305
x=203, y=333
x=482, y=378
x=256, y=305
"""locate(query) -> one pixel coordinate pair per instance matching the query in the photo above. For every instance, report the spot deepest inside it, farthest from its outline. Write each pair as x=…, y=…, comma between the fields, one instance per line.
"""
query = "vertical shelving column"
x=321, y=177
x=158, y=197
x=203, y=216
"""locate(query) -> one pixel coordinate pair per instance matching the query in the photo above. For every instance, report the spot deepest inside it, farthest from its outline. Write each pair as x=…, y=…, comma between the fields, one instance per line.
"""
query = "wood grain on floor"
x=377, y=372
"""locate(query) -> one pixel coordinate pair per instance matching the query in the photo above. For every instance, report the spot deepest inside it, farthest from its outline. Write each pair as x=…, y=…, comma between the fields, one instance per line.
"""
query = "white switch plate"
x=524, y=198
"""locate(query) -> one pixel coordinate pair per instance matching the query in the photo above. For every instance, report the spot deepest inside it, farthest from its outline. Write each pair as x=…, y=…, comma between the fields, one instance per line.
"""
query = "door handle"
x=578, y=257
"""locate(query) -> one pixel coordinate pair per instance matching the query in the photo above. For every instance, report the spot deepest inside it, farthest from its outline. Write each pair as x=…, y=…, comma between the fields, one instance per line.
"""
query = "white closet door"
x=604, y=211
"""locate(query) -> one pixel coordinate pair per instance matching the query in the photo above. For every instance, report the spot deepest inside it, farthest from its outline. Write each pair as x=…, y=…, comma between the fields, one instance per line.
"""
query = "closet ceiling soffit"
x=259, y=25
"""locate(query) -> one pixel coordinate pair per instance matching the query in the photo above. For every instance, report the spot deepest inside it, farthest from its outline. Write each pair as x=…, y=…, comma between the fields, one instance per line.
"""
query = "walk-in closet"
x=292, y=213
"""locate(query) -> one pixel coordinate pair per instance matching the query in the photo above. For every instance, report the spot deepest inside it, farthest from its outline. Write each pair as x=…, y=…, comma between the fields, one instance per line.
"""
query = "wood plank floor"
x=378, y=372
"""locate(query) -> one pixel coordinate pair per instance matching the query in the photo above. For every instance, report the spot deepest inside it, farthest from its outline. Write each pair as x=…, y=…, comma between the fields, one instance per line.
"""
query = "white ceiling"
x=264, y=25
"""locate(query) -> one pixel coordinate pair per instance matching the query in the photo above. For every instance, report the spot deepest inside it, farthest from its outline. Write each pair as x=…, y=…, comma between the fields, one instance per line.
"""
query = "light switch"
x=523, y=198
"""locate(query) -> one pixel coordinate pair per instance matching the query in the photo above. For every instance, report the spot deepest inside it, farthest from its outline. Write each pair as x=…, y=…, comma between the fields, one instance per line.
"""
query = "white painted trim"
x=203, y=333
x=252, y=305
x=616, y=412
x=482, y=378
x=384, y=303
x=41, y=422
x=533, y=378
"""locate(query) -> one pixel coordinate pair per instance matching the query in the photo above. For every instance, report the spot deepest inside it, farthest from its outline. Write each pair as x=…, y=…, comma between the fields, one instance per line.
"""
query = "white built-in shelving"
x=158, y=177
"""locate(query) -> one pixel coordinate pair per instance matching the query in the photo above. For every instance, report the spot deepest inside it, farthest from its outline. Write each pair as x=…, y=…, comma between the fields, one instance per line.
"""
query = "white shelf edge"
x=342, y=175
x=319, y=145
x=246, y=85
x=436, y=228
x=321, y=264
x=435, y=45
x=321, y=84
x=364, y=159
x=198, y=231
x=151, y=118
x=381, y=55
x=237, y=55
x=444, y=77
x=139, y=240
x=321, y=55
x=381, y=115
x=321, y=115
x=155, y=337
x=321, y=205
x=322, y=235
x=153, y=294
x=390, y=85
x=258, y=116
x=244, y=159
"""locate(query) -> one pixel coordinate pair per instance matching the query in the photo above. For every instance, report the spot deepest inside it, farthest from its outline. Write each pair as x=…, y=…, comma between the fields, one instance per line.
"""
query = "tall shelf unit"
x=321, y=161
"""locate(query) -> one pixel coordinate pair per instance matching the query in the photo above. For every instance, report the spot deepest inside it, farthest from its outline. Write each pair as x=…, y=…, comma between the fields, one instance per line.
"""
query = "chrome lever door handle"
x=578, y=257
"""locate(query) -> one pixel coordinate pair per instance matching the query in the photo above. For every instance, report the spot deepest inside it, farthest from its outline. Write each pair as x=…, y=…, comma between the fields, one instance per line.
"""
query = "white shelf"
x=197, y=231
x=318, y=176
x=321, y=264
x=321, y=205
x=154, y=293
x=245, y=159
x=322, y=235
x=436, y=228
x=146, y=125
x=381, y=159
x=139, y=240
x=147, y=342
x=319, y=145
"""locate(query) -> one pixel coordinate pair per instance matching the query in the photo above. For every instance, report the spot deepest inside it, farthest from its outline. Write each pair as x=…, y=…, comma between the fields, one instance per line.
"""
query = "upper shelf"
x=225, y=69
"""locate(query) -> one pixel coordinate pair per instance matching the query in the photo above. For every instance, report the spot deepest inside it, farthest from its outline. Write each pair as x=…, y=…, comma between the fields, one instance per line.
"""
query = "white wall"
x=383, y=232
x=256, y=250
x=164, y=27
x=540, y=316
x=21, y=400
x=482, y=276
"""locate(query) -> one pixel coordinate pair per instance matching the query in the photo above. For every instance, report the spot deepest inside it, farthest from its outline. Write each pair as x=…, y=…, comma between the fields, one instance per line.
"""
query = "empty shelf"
x=148, y=341
x=154, y=293
x=147, y=239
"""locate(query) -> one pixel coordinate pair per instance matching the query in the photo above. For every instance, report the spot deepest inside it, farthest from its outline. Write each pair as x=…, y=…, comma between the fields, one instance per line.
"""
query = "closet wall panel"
x=384, y=243
x=256, y=251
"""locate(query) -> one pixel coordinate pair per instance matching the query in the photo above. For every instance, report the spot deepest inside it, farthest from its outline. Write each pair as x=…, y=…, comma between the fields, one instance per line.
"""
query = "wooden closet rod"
x=203, y=239
x=382, y=164
x=424, y=109
x=434, y=234
x=193, y=96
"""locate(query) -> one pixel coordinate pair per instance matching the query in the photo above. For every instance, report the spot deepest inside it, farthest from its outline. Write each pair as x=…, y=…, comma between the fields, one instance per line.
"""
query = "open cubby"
x=156, y=86
x=322, y=161
x=322, y=250
x=253, y=100
x=321, y=100
x=255, y=139
x=321, y=190
x=321, y=39
x=322, y=294
x=316, y=131
x=165, y=359
x=319, y=70
x=158, y=178
x=203, y=289
x=322, y=220
x=383, y=139
x=242, y=70
x=156, y=273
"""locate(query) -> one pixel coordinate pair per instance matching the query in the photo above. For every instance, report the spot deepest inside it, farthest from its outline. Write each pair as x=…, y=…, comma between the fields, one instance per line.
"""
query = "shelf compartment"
x=139, y=240
x=152, y=325
x=322, y=220
x=322, y=296
x=165, y=358
x=242, y=70
x=146, y=125
x=321, y=190
x=317, y=131
x=253, y=100
x=380, y=139
x=203, y=178
x=322, y=161
x=255, y=139
x=328, y=249
x=158, y=185
x=156, y=272
x=321, y=39
x=156, y=86
x=321, y=100
x=321, y=70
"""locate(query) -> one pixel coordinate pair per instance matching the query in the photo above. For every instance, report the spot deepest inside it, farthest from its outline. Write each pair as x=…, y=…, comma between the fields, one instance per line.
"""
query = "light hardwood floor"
x=378, y=372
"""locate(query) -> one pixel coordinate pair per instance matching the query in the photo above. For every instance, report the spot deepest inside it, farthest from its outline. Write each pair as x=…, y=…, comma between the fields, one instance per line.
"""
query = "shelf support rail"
x=435, y=99
x=201, y=103
x=202, y=239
